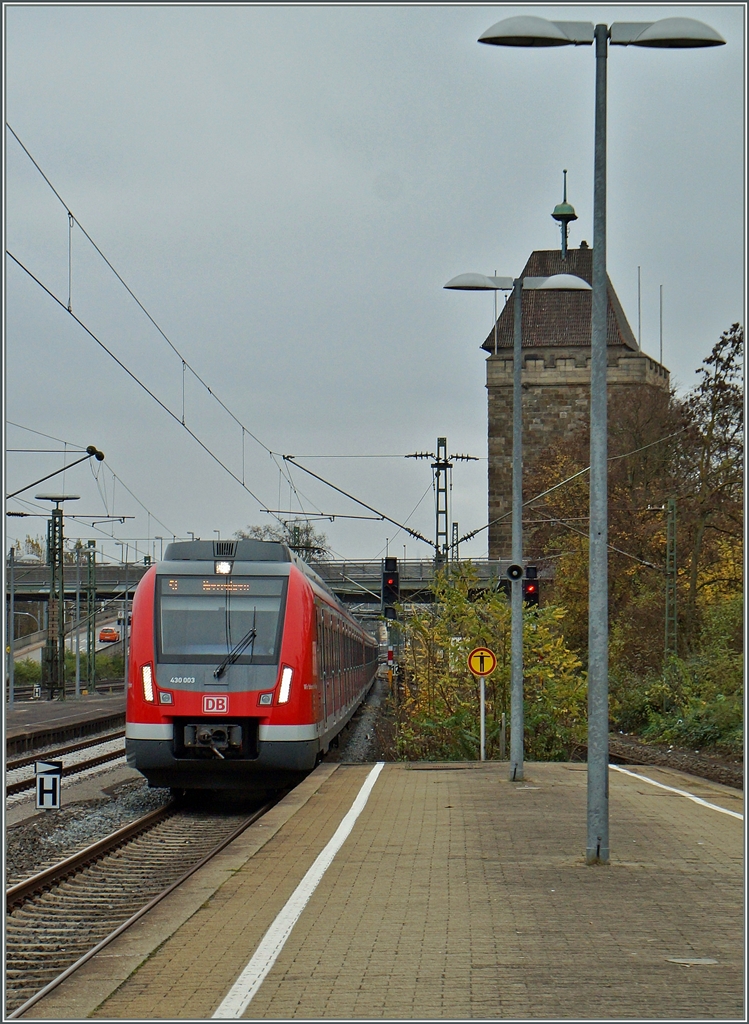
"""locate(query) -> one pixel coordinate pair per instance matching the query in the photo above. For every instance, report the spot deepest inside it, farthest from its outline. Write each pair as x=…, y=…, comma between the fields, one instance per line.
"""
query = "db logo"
x=215, y=705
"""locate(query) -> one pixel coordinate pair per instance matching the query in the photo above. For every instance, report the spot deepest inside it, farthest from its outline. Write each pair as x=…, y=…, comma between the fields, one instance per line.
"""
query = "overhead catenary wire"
x=413, y=533
x=44, y=514
x=185, y=363
x=174, y=416
x=137, y=380
x=429, y=487
x=95, y=467
x=611, y=547
x=567, y=480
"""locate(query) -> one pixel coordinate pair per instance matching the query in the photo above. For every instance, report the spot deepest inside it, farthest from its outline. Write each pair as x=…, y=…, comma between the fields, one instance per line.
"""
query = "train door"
x=321, y=660
x=330, y=702
x=336, y=667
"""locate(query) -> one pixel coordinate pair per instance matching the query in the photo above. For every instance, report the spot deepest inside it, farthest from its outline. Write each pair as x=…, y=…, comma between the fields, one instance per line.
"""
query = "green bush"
x=27, y=671
x=437, y=713
x=695, y=701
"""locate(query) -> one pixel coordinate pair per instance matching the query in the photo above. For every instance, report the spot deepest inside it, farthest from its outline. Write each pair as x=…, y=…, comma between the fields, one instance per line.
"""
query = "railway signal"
x=530, y=583
x=390, y=587
x=531, y=592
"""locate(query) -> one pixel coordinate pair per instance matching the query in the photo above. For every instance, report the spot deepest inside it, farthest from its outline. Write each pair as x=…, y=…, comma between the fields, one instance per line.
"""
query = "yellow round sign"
x=482, y=661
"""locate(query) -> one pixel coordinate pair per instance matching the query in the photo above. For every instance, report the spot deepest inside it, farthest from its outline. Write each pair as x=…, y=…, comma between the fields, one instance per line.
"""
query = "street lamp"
x=668, y=33
x=478, y=282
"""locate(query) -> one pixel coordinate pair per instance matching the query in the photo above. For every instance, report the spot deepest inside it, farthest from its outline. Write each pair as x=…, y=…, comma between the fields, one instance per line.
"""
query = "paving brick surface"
x=460, y=895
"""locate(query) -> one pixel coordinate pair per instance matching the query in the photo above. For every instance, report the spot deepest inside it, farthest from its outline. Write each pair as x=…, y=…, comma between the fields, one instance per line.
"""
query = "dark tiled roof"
x=560, y=318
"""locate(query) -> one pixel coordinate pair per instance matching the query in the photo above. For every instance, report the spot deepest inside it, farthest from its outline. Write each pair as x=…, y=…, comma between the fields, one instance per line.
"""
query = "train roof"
x=242, y=550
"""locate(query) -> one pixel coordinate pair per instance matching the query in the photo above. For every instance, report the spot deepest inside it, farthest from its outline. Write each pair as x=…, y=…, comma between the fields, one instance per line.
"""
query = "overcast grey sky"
x=286, y=190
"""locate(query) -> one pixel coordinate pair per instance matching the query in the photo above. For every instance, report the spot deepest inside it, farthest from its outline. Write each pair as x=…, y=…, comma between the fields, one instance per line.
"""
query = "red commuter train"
x=244, y=667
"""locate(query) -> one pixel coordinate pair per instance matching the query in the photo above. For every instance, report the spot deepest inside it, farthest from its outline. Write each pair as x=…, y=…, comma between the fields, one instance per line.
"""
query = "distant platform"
x=34, y=723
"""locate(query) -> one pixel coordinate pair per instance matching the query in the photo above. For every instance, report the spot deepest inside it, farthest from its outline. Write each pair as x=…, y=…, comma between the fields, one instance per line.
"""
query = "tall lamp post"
x=478, y=282
x=668, y=33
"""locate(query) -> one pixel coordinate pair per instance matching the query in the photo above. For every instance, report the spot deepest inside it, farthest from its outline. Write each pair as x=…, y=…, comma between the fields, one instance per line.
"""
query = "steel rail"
x=71, y=769
x=21, y=891
x=70, y=748
x=20, y=1010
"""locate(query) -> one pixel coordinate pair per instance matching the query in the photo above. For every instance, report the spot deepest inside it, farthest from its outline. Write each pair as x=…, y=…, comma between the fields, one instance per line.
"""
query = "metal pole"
x=502, y=733
x=56, y=626
x=639, y=312
x=77, y=622
x=124, y=635
x=483, y=717
x=495, y=318
x=516, y=687
x=661, y=325
x=597, y=849
x=12, y=627
x=91, y=619
x=671, y=620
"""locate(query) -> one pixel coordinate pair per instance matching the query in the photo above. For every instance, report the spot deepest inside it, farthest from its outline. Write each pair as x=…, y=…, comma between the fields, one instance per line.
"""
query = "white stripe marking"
x=144, y=731
x=249, y=981
x=681, y=792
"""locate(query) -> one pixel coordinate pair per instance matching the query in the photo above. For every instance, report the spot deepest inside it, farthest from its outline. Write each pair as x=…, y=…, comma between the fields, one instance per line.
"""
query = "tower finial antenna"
x=564, y=213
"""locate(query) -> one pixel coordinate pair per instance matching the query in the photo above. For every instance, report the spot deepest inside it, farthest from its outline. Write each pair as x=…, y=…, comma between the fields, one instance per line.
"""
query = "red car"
x=109, y=635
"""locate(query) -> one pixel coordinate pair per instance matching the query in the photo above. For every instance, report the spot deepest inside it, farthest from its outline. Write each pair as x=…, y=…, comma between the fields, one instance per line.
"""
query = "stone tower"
x=555, y=375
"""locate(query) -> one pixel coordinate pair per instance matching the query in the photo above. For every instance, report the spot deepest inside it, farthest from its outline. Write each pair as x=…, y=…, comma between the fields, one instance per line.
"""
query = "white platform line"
x=249, y=981
x=681, y=792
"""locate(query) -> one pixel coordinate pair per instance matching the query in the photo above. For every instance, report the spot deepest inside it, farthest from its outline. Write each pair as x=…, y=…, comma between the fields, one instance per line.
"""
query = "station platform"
x=34, y=723
x=457, y=895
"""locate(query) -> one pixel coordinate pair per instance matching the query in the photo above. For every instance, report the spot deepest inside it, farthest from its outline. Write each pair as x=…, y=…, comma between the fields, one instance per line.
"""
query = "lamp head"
x=479, y=283
x=668, y=34
x=57, y=498
x=557, y=282
x=529, y=30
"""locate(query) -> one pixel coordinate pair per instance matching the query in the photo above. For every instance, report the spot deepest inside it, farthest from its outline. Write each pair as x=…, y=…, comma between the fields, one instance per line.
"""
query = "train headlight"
x=222, y=568
x=284, y=690
x=148, y=688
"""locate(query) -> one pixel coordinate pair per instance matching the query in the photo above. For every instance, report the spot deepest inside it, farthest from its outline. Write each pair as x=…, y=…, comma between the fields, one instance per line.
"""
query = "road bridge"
x=32, y=580
x=355, y=582
x=361, y=581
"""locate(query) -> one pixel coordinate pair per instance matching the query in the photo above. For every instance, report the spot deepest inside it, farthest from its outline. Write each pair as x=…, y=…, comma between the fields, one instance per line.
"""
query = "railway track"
x=19, y=771
x=61, y=917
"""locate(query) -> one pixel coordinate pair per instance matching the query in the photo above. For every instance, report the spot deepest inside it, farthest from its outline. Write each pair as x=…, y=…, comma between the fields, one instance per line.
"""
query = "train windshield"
x=203, y=619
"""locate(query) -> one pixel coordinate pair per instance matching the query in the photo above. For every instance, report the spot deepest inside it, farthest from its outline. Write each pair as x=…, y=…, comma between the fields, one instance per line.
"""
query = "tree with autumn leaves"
x=436, y=704
x=661, y=447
